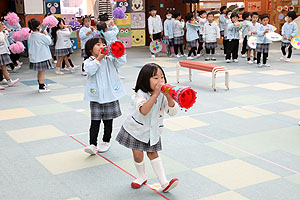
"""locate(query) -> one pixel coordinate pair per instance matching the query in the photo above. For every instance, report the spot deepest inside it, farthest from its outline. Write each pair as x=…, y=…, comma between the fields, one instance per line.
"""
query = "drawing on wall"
x=138, y=20
x=124, y=31
x=125, y=5
x=52, y=6
x=137, y=5
x=254, y=6
x=125, y=21
x=126, y=41
x=138, y=38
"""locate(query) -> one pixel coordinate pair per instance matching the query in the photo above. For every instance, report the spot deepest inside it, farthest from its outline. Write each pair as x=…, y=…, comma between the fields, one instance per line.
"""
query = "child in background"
x=191, y=35
x=85, y=33
x=178, y=34
x=253, y=30
x=225, y=39
x=63, y=45
x=109, y=35
x=143, y=126
x=103, y=90
x=222, y=21
x=168, y=30
x=39, y=53
x=210, y=36
x=289, y=30
x=263, y=44
x=202, y=21
x=5, y=58
x=245, y=32
x=154, y=26
x=233, y=37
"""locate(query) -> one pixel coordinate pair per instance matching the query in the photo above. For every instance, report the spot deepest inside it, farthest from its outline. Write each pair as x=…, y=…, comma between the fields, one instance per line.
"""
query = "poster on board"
x=254, y=6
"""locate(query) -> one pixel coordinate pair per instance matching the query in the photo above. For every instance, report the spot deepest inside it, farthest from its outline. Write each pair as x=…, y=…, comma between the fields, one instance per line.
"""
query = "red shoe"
x=173, y=183
x=136, y=185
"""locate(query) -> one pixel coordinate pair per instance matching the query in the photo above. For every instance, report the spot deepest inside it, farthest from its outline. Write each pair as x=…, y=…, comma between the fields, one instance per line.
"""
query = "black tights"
x=208, y=51
x=1, y=75
x=200, y=47
x=94, y=131
x=265, y=56
x=82, y=66
x=176, y=49
x=192, y=50
x=63, y=65
x=290, y=50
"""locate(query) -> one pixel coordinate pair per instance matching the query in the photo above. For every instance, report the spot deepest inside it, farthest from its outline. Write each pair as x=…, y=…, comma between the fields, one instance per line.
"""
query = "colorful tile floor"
x=237, y=144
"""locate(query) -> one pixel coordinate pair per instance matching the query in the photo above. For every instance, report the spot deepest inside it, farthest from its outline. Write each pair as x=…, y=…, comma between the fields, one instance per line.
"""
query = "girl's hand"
x=290, y=38
x=151, y=36
x=157, y=89
x=45, y=32
x=284, y=36
x=100, y=56
x=90, y=32
x=253, y=33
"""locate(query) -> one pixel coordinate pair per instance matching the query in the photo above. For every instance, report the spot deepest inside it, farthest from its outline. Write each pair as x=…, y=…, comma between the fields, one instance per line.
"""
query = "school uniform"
x=169, y=30
x=289, y=30
x=155, y=27
x=143, y=132
x=222, y=21
x=245, y=33
x=263, y=44
x=202, y=23
x=233, y=37
x=211, y=33
x=83, y=38
x=63, y=45
x=39, y=51
x=111, y=35
x=253, y=28
x=178, y=32
x=225, y=39
x=4, y=52
x=192, y=34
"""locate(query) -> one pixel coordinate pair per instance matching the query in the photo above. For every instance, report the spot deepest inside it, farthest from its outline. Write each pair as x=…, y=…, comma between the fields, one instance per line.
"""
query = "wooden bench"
x=203, y=67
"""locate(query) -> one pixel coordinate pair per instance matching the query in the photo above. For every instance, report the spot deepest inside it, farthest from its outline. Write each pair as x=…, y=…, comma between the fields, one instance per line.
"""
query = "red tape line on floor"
x=120, y=168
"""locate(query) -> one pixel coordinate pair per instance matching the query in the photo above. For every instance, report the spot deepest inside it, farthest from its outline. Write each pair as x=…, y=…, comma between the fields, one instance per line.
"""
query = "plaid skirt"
x=52, y=48
x=211, y=45
x=5, y=59
x=40, y=66
x=285, y=44
x=178, y=40
x=171, y=42
x=63, y=52
x=262, y=48
x=125, y=139
x=105, y=111
x=192, y=43
x=83, y=54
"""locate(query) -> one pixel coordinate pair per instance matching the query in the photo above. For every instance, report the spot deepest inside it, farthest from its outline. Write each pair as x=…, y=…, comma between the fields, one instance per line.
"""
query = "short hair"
x=169, y=12
x=234, y=14
x=189, y=16
x=263, y=16
x=222, y=9
x=143, y=81
x=89, y=45
x=228, y=11
x=152, y=8
x=245, y=15
x=84, y=18
x=176, y=14
x=34, y=24
x=292, y=14
x=254, y=13
x=210, y=13
x=201, y=12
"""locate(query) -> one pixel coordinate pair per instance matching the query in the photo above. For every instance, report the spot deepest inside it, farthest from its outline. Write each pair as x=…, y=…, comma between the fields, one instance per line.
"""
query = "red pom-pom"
x=117, y=48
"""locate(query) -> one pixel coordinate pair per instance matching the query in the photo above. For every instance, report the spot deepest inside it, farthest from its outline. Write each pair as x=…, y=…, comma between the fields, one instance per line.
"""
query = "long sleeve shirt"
x=154, y=25
x=178, y=28
x=233, y=32
x=63, y=39
x=261, y=36
x=3, y=44
x=254, y=28
x=148, y=128
x=104, y=84
x=211, y=32
x=202, y=22
x=83, y=37
x=111, y=35
x=168, y=28
x=222, y=20
x=191, y=32
x=246, y=31
x=39, y=50
x=289, y=30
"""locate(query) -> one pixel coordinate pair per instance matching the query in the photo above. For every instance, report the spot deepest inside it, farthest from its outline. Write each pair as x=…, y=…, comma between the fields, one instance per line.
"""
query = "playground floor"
x=236, y=144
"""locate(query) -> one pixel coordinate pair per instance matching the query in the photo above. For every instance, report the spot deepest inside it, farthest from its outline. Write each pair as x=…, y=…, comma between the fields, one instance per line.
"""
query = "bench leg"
x=227, y=80
x=190, y=74
x=177, y=73
x=214, y=81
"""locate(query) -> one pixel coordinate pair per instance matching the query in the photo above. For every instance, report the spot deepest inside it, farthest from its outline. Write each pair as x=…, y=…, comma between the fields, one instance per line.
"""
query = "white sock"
x=140, y=168
x=160, y=172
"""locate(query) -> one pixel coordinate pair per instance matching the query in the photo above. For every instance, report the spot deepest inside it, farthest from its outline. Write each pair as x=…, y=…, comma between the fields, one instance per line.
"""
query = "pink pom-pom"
x=25, y=33
x=50, y=21
x=119, y=13
x=12, y=19
x=17, y=36
x=17, y=47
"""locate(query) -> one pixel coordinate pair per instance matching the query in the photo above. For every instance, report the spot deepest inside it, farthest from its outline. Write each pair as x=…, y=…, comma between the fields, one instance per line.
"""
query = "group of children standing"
x=203, y=31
